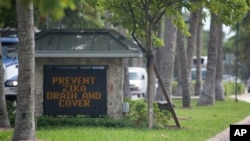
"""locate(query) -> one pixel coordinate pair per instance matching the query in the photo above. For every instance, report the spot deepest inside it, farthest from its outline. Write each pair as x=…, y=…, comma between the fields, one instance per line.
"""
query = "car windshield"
x=5, y=45
x=133, y=76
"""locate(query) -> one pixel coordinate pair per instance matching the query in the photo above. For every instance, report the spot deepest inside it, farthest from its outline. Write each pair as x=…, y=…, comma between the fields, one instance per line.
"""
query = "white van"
x=203, y=61
x=138, y=80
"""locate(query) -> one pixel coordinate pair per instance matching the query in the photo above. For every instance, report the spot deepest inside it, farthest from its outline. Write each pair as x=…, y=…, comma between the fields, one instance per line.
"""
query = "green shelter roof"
x=84, y=43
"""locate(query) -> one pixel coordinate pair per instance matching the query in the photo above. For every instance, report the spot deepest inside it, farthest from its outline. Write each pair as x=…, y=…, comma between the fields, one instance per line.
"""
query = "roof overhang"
x=83, y=43
x=111, y=54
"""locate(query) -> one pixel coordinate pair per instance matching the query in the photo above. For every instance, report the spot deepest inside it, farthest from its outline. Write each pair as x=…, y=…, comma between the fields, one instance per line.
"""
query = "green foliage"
x=136, y=117
x=141, y=16
x=54, y=8
x=242, y=40
x=180, y=23
x=84, y=16
x=48, y=121
x=231, y=12
x=161, y=117
x=11, y=108
x=4, y=4
x=138, y=113
x=5, y=135
x=8, y=13
x=157, y=41
x=174, y=86
x=230, y=88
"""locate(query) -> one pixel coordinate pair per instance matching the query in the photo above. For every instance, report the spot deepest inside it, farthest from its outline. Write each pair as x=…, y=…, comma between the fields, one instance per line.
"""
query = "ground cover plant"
x=198, y=124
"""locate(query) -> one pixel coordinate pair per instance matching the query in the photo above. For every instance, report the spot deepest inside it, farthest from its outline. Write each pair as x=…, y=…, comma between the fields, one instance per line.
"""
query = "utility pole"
x=236, y=62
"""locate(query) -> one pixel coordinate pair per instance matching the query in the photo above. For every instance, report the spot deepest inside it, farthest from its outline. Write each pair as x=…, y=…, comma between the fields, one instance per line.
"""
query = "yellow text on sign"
x=74, y=103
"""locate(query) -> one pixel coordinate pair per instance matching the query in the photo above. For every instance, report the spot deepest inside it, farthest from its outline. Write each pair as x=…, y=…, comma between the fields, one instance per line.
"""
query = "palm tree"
x=194, y=18
x=25, y=112
x=198, y=85
x=165, y=58
x=184, y=79
x=219, y=87
x=207, y=96
x=8, y=18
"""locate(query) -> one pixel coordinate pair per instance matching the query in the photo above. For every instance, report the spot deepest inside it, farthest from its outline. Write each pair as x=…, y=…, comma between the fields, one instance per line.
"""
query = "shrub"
x=47, y=121
x=138, y=113
x=11, y=108
x=230, y=88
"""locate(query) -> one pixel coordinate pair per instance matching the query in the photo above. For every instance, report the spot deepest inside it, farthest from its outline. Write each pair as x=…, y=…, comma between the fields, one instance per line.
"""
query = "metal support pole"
x=236, y=62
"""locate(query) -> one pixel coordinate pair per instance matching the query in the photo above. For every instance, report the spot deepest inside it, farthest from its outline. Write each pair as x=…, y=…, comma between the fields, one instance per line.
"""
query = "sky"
x=226, y=29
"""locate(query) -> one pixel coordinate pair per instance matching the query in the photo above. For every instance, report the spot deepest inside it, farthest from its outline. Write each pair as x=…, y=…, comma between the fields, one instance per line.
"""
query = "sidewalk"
x=224, y=135
x=243, y=97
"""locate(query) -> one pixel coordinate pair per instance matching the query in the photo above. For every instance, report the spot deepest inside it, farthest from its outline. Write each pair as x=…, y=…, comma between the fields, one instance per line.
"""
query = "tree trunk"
x=151, y=75
x=25, y=112
x=165, y=59
x=179, y=44
x=184, y=71
x=178, y=91
x=219, y=87
x=191, y=46
x=126, y=86
x=198, y=85
x=192, y=39
x=207, y=96
x=4, y=122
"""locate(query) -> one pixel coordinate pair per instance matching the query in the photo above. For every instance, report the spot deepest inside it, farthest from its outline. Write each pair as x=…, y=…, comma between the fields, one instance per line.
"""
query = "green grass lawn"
x=198, y=124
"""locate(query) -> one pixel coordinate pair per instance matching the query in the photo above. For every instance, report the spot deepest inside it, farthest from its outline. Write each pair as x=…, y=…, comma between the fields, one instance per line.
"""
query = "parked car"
x=10, y=88
x=10, y=68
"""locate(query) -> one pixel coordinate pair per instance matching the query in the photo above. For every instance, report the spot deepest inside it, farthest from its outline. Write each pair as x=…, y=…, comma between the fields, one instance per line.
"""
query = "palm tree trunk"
x=178, y=91
x=207, y=96
x=191, y=46
x=194, y=18
x=219, y=87
x=25, y=112
x=198, y=85
x=4, y=122
x=165, y=59
x=186, y=101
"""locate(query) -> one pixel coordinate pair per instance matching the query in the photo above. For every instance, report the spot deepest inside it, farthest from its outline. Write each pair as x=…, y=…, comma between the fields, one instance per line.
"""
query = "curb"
x=224, y=135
